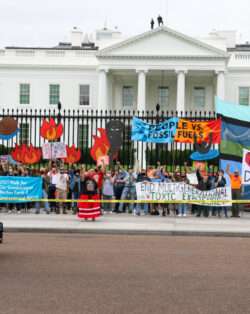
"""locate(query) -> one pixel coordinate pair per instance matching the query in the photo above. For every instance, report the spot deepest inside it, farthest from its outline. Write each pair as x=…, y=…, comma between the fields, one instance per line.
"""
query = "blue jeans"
x=46, y=204
x=128, y=193
x=182, y=209
x=142, y=206
x=75, y=196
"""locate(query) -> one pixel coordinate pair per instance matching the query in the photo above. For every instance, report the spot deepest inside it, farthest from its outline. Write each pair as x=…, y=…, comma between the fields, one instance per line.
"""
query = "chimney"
x=76, y=37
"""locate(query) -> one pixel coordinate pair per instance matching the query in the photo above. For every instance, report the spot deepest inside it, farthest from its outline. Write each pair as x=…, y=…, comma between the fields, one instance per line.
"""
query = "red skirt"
x=89, y=210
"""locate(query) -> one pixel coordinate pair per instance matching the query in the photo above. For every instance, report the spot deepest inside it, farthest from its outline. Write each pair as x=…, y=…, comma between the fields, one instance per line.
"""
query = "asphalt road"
x=58, y=273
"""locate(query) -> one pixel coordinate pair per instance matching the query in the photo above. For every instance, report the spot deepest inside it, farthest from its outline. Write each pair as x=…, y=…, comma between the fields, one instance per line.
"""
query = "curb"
x=130, y=232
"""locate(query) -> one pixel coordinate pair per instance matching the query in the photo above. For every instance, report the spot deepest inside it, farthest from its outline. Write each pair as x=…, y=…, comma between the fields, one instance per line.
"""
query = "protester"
x=52, y=187
x=235, y=180
x=89, y=191
x=108, y=191
x=119, y=183
x=62, y=181
x=221, y=182
x=75, y=187
x=142, y=177
x=129, y=191
x=45, y=187
x=204, y=185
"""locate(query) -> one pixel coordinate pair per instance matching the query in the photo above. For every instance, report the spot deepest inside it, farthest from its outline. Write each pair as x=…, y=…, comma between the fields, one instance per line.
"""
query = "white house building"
x=109, y=72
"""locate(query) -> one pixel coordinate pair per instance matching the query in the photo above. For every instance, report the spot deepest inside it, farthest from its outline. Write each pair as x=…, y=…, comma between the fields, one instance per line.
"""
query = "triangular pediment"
x=161, y=42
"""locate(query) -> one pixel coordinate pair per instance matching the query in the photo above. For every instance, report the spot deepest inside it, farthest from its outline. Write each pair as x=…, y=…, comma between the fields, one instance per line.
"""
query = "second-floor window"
x=54, y=94
x=84, y=95
x=244, y=96
x=24, y=94
x=199, y=97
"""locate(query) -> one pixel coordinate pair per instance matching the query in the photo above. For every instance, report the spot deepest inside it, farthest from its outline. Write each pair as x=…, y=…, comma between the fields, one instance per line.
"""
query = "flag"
x=235, y=134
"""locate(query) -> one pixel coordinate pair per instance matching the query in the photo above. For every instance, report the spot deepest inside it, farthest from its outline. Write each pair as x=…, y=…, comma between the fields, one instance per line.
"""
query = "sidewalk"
x=128, y=224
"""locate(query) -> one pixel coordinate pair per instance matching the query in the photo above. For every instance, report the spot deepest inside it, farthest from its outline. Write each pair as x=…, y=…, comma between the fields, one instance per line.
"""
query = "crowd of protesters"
x=118, y=184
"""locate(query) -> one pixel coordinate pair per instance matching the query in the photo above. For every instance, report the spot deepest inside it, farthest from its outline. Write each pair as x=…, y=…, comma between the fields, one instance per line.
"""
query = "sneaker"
x=179, y=215
x=184, y=215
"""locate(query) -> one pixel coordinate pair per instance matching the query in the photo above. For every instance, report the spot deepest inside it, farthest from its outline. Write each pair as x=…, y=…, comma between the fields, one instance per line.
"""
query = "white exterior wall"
x=40, y=79
x=159, y=50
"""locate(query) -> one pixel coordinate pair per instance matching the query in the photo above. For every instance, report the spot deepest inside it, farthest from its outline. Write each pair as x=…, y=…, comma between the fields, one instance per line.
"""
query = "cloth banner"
x=163, y=132
x=235, y=133
x=246, y=167
x=20, y=187
x=152, y=191
x=55, y=150
x=202, y=129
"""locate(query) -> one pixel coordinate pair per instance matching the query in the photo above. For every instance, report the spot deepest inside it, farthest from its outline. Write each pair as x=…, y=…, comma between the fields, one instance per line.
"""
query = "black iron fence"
x=81, y=125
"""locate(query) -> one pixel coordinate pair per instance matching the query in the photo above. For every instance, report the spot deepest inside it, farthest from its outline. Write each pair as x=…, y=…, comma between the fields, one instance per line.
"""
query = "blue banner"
x=163, y=132
x=232, y=110
x=20, y=188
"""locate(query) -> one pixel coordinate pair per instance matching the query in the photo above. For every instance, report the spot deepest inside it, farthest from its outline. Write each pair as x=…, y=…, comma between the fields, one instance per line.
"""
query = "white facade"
x=160, y=66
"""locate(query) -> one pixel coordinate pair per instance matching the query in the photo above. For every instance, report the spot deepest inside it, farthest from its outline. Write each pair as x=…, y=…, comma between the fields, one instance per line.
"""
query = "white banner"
x=246, y=167
x=150, y=191
x=55, y=150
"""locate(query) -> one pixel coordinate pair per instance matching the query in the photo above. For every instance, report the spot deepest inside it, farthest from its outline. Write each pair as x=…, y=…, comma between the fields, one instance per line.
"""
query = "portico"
x=161, y=64
x=174, y=90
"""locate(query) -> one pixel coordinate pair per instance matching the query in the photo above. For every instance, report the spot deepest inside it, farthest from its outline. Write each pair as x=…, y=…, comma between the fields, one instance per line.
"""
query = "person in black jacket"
x=204, y=184
x=221, y=182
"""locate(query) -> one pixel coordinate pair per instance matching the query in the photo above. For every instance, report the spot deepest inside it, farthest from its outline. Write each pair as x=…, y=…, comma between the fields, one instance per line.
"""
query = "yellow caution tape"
x=42, y=200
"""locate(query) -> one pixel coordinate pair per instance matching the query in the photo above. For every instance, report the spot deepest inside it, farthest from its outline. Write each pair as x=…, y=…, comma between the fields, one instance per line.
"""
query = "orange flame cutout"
x=73, y=155
x=101, y=145
x=26, y=155
x=50, y=131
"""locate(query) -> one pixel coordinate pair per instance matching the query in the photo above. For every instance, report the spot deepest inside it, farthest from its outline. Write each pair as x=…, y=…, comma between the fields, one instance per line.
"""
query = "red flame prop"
x=50, y=131
x=26, y=155
x=73, y=155
x=101, y=145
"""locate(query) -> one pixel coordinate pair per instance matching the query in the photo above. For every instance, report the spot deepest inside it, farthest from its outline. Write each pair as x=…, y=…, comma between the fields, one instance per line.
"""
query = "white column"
x=141, y=99
x=103, y=90
x=220, y=85
x=181, y=89
x=141, y=106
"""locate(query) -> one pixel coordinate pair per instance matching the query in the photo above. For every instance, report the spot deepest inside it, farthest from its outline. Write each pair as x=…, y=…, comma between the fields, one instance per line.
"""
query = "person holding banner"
x=235, y=180
x=204, y=184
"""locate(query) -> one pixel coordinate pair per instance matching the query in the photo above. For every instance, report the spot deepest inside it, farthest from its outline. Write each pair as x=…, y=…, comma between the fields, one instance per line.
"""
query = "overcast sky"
x=46, y=22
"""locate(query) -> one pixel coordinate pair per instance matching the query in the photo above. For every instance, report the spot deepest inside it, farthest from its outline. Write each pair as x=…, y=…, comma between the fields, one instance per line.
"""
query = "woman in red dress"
x=89, y=210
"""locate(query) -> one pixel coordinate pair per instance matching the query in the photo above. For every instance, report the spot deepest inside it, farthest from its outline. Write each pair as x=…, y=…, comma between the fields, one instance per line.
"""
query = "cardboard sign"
x=192, y=178
x=246, y=167
x=55, y=150
x=103, y=160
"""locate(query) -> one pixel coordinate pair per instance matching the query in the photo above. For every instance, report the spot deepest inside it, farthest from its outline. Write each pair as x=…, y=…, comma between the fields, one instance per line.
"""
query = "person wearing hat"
x=235, y=180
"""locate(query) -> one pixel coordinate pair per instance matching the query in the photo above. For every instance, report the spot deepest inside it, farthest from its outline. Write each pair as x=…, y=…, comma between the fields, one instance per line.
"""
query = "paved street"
x=63, y=273
x=128, y=224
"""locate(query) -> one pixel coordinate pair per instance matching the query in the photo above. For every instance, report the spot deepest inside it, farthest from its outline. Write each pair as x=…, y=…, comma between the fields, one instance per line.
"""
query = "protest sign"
x=156, y=191
x=20, y=188
x=192, y=178
x=246, y=167
x=55, y=150
x=59, y=150
x=103, y=161
x=202, y=129
x=163, y=132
